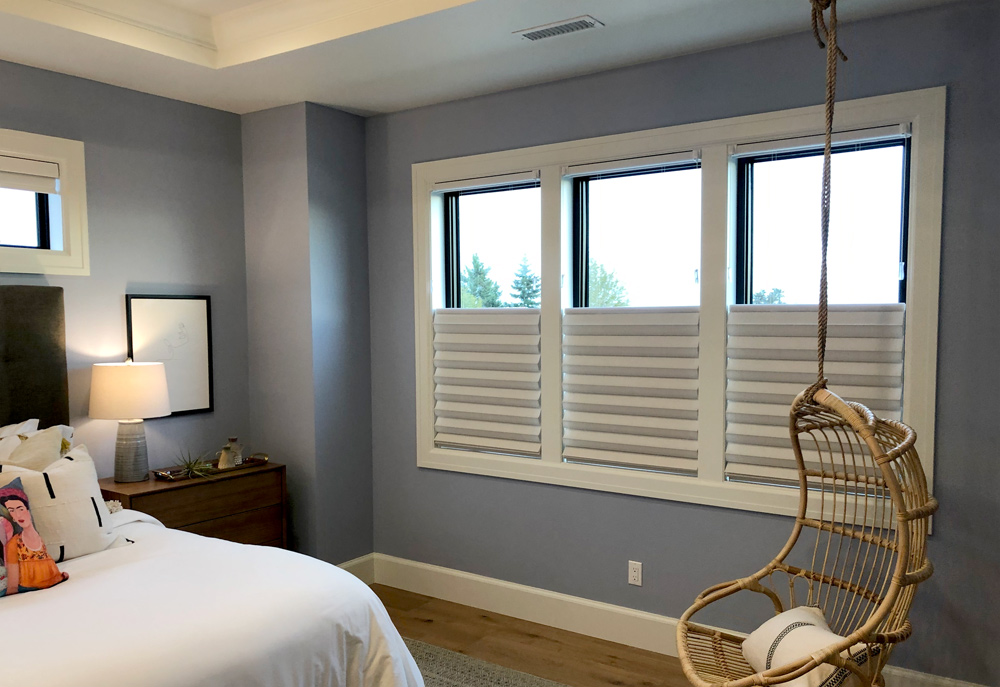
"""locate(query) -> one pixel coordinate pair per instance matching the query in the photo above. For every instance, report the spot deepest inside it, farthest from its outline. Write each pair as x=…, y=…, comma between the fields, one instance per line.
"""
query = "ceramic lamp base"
x=131, y=458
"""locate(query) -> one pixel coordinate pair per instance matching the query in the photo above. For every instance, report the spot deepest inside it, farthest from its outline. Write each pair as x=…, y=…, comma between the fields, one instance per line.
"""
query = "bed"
x=165, y=608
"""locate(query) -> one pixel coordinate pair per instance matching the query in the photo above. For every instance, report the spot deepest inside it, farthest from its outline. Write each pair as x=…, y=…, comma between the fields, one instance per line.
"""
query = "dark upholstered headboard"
x=33, y=380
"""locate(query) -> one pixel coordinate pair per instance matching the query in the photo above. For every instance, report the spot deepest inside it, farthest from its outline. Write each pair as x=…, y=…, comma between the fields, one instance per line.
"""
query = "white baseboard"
x=605, y=621
x=362, y=567
x=593, y=618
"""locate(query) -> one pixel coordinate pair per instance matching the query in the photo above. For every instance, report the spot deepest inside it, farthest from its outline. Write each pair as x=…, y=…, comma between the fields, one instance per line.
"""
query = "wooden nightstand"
x=245, y=506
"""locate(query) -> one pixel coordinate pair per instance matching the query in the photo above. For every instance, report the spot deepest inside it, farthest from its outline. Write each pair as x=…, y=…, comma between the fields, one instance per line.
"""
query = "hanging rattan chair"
x=857, y=550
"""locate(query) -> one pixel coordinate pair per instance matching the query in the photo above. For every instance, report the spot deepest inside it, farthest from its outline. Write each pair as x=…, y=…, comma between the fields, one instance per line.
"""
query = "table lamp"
x=129, y=392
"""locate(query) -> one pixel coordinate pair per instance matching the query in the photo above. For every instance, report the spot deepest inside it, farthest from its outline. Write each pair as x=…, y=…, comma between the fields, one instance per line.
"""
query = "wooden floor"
x=572, y=659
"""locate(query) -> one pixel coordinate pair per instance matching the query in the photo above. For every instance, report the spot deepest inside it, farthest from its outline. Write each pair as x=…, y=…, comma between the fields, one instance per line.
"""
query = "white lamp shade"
x=129, y=391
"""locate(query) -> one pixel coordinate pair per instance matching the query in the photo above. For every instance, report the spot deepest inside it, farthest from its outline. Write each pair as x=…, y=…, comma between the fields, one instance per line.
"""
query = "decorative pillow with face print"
x=27, y=565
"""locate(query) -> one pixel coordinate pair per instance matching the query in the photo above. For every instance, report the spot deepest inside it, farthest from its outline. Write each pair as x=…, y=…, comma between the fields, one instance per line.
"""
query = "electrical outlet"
x=635, y=573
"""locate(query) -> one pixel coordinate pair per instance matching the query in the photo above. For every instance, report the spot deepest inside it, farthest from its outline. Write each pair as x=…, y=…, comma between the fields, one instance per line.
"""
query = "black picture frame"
x=175, y=330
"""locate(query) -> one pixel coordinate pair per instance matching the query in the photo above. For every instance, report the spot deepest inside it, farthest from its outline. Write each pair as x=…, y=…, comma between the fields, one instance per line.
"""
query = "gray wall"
x=165, y=207
x=341, y=343
x=307, y=277
x=578, y=542
x=276, y=211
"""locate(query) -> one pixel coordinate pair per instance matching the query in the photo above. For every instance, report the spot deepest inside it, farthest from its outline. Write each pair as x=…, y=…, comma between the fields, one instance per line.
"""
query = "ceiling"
x=373, y=56
x=208, y=8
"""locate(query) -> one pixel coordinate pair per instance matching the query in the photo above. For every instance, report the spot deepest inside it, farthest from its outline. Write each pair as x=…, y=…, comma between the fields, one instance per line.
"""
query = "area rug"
x=444, y=668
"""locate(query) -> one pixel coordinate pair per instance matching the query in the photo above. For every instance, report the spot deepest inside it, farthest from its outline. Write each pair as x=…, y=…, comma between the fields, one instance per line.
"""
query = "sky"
x=502, y=228
x=864, y=248
x=647, y=229
x=18, y=221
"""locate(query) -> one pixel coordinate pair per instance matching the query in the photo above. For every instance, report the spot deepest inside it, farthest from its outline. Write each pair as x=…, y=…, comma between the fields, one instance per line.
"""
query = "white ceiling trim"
x=242, y=35
x=144, y=24
x=271, y=28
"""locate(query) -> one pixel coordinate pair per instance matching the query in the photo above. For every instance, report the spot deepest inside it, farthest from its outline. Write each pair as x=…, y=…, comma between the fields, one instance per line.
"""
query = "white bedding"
x=178, y=610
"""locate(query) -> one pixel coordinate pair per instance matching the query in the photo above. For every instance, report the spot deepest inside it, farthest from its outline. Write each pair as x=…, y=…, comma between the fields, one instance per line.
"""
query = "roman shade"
x=25, y=174
x=630, y=387
x=784, y=145
x=487, y=380
x=772, y=352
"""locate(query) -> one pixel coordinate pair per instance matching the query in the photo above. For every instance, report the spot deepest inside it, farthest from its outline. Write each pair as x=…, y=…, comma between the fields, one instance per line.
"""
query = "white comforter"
x=178, y=610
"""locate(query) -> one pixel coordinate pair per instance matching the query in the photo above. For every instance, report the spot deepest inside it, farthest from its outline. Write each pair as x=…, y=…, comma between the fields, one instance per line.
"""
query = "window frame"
x=744, y=205
x=922, y=112
x=68, y=155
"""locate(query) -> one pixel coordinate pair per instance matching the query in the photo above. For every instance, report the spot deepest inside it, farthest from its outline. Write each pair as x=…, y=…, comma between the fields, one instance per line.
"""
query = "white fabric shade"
x=772, y=357
x=24, y=174
x=129, y=391
x=630, y=387
x=487, y=380
x=878, y=133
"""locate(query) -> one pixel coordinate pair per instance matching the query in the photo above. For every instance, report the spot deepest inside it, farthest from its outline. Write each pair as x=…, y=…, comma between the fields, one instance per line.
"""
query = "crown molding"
x=261, y=30
x=144, y=24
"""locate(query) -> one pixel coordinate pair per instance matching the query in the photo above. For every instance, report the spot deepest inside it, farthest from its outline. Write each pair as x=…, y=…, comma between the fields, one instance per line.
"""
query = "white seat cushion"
x=796, y=634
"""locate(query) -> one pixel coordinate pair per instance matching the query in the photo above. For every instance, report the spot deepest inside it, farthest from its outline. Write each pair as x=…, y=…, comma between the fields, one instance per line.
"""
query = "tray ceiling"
x=371, y=56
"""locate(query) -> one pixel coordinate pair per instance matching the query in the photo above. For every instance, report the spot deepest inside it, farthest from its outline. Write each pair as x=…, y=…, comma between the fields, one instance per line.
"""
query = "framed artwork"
x=177, y=331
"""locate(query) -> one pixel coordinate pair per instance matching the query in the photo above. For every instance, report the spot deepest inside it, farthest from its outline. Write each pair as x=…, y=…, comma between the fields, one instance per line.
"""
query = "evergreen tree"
x=468, y=300
x=527, y=287
x=478, y=290
x=763, y=297
x=604, y=289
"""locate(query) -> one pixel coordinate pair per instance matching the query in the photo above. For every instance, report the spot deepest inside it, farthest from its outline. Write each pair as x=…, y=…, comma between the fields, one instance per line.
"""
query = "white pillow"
x=18, y=428
x=37, y=451
x=800, y=632
x=66, y=504
x=7, y=446
x=28, y=430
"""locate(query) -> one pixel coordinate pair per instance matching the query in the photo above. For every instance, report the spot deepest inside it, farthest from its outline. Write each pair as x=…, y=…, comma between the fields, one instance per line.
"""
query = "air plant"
x=194, y=466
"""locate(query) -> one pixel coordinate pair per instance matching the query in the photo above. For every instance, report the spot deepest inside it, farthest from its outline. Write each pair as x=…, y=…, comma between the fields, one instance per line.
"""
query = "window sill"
x=739, y=496
x=34, y=261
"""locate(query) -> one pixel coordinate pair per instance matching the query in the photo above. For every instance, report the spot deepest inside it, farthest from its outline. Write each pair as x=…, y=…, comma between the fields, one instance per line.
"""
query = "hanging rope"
x=826, y=35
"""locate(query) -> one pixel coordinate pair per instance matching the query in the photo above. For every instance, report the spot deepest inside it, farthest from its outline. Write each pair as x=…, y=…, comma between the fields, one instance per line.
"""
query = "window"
x=25, y=220
x=677, y=384
x=493, y=246
x=43, y=207
x=487, y=360
x=771, y=348
x=658, y=209
x=778, y=203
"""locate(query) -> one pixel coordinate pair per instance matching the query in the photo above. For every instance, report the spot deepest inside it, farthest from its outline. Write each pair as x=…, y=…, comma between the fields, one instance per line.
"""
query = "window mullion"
x=716, y=294
x=580, y=276
x=452, y=260
x=551, y=312
x=42, y=220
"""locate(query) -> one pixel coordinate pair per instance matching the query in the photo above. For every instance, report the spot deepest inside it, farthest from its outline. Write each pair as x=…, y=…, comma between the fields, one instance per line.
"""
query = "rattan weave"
x=858, y=546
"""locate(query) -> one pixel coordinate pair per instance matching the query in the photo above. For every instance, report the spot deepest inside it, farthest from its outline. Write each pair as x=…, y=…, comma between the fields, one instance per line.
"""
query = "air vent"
x=559, y=28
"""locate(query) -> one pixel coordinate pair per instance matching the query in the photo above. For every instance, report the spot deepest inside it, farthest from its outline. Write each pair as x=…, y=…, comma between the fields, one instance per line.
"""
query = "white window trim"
x=922, y=111
x=74, y=258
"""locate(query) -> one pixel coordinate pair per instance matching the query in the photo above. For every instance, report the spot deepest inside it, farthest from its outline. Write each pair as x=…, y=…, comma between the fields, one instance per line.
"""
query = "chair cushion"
x=795, y=634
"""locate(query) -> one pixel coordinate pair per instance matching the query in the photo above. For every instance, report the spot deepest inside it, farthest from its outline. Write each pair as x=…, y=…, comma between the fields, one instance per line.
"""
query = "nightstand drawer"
x=212, y=500
x=259, y=526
